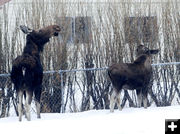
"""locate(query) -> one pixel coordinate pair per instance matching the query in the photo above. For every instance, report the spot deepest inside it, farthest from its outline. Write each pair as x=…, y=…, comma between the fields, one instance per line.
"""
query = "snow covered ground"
x=127, y=121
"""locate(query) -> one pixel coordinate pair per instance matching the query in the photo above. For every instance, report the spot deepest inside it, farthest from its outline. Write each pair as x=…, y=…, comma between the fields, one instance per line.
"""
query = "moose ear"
x=25, y=29
x=56, y=28
x=154, y=51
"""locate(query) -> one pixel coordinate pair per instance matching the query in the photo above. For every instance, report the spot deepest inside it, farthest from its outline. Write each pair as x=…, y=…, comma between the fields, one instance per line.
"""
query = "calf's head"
x=141, y=49
x=144, y=55
x=36, y=39
x=49, y=31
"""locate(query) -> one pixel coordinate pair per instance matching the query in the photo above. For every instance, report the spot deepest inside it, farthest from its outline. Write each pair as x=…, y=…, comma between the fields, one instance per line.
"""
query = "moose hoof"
x=112, y=110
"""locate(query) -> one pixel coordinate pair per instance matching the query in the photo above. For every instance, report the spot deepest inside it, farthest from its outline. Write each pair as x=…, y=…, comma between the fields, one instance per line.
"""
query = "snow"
x=127, y=121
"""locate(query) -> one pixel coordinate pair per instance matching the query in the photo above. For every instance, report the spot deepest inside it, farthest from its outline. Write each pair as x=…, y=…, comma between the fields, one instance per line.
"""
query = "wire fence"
x=83, y=89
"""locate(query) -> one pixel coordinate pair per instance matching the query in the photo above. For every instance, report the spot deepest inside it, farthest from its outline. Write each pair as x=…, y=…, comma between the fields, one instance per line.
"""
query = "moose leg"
x=145, y=102
x=139, y=97
x=113, y=100
x=24, y=110
x=38, y=106
x=37, y=101
x=20, y=99
x=145, y=94
x=28, y=104
x=119, y=100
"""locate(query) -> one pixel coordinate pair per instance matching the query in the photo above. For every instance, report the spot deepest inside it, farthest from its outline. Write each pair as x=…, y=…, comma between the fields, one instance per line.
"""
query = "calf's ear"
x=25, y=29
x=154, y=51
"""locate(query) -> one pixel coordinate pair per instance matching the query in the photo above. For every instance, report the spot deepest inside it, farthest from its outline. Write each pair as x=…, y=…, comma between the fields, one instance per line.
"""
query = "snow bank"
x=127, y=121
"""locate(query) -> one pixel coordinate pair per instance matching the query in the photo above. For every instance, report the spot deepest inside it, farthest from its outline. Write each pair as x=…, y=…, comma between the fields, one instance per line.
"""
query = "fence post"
x=62, y=91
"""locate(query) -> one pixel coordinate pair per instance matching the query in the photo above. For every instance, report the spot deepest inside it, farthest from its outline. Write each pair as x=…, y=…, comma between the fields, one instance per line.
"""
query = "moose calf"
x=132, y=76
x=27, y=70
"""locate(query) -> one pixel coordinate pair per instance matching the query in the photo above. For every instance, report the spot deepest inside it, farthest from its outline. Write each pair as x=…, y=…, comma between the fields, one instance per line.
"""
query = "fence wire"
x=84, y=89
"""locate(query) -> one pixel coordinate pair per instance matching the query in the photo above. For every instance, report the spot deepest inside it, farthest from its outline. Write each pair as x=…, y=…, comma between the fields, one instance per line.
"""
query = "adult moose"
x=132, y=76
x=27, y=71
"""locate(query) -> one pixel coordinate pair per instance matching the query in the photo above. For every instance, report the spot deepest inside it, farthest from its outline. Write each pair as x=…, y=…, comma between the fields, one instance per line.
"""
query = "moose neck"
x=35, y=44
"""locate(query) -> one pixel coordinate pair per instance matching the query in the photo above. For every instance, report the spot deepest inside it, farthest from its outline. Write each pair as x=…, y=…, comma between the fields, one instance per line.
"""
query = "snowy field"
x=127, y=121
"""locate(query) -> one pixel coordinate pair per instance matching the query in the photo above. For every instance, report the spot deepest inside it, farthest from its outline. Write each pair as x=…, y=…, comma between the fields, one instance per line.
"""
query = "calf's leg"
x=20, y=99
x=37, y=100
x=139, y=97
x=119, y=100
x=28, y=104
x=113, y=100
x=145, y=94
